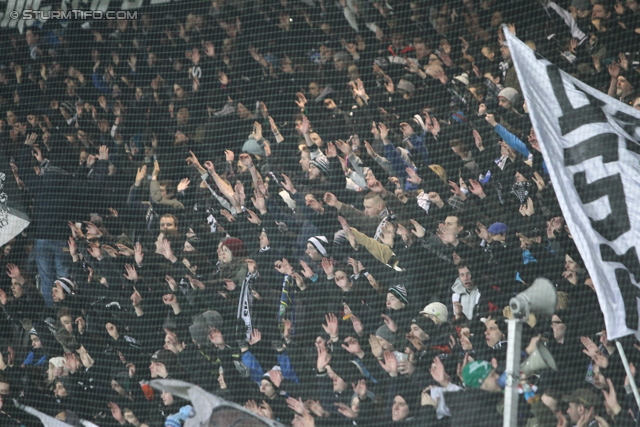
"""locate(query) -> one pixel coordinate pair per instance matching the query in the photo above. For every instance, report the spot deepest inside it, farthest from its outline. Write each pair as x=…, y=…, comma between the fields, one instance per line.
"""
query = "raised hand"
x=491, y=119
x=438, y=373
x=37, y=153
x=355, y=264
x=287, y=184
x=455, y=189
x=31, y=139
x=413, y=176
x=476, y=188
x=209, y=167
x=255, y=337
x=296, y=405
x=303, y=126
x=183, y=185
x=229, y=156
x=140, y=176
x=482, y=232
x=284, y=267
x=156, y=170
x=253, y=218
x=323, y=359
x=246, y=160
x=113, y=253
x=389, y=364
x=138, y=254
x=376, y=347
x=346, y=410
x=301, y=100
x=315, y=205
x=328, y=267
x=13, y=271
x=418, y=230
x=331, y=151
x=343, y=223
x=195, y=283
x=384, y=131
x=299, y=281
x=274, y=127
x=358, y=327
x=258, y=201
x=331, y=327
x=585, y=418
x=136, y=299
x=171, y=282
x=306, y=270
x=103, y=153
x=370, y=151
x=252, y=406
x=131, y=274
x=92, y=230
x=614, y=70
x=393, y=326
x=344, y=147
x=225, y=213
x=331, y=200
x=193, y=161
x=73, y=248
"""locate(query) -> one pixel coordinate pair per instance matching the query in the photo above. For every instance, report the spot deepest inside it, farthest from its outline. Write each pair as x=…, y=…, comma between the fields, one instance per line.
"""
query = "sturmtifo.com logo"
x=73, y=14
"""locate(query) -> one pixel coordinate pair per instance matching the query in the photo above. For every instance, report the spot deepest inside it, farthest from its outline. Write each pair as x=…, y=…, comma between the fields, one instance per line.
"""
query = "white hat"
x=463, y=78
x=438, y=310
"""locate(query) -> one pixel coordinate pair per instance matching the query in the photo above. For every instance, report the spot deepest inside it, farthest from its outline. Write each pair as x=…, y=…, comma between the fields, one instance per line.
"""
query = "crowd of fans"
x=317, y=209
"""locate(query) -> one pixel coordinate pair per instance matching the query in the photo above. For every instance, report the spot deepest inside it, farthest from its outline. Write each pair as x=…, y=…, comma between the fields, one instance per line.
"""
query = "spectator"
x=298, y=241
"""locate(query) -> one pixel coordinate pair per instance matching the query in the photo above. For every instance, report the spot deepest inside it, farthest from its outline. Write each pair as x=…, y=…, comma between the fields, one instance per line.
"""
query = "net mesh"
x=318, y=210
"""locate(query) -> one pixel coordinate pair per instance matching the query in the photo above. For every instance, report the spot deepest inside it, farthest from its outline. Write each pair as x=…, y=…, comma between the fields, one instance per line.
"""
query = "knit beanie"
x=411, y=396
x=267, y=377
x=236, y=246
x=254, y=147
x=199, y=332
x=67, y=285
x=428, y=326
x=476, y=372
x=463, y=78
x=349, y=371
x=509, y=93
x=406, y=85
x=385, y=333
x=320, y=243
x=322, y=163
x=400, y=292
x=166, y=357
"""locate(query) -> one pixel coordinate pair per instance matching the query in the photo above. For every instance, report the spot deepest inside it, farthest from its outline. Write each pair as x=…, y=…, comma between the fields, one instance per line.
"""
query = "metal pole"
x=627, y=369
x=514, y=342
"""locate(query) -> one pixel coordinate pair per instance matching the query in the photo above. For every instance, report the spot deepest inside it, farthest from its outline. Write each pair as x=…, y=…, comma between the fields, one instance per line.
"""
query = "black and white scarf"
x=245, y=302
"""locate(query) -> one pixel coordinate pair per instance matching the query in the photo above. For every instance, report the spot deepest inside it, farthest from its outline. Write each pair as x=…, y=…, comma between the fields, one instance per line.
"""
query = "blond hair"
x=439, y=170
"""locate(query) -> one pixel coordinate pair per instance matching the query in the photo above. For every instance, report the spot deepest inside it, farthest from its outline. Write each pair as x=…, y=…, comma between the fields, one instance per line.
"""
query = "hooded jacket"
x=468, y=299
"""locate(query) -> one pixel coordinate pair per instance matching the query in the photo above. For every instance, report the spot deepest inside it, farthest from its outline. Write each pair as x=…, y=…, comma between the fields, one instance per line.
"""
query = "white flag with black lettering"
x=589, y=141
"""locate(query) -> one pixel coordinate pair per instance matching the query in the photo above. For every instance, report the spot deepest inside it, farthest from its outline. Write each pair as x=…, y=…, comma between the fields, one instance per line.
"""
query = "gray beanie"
x=384, y=332
x=254, y=147
x=406, y=86
x=509, y=93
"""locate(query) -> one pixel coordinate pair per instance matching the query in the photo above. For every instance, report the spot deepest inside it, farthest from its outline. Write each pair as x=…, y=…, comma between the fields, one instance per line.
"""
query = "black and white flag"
x=13, y=219
x=590, y=143
x=211, y=410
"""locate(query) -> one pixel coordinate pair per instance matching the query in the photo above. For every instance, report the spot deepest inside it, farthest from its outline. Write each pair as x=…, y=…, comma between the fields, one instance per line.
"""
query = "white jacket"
x=468, y=299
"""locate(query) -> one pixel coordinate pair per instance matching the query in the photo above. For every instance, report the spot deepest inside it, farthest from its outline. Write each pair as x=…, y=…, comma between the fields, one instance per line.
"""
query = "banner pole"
x=632, y=381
